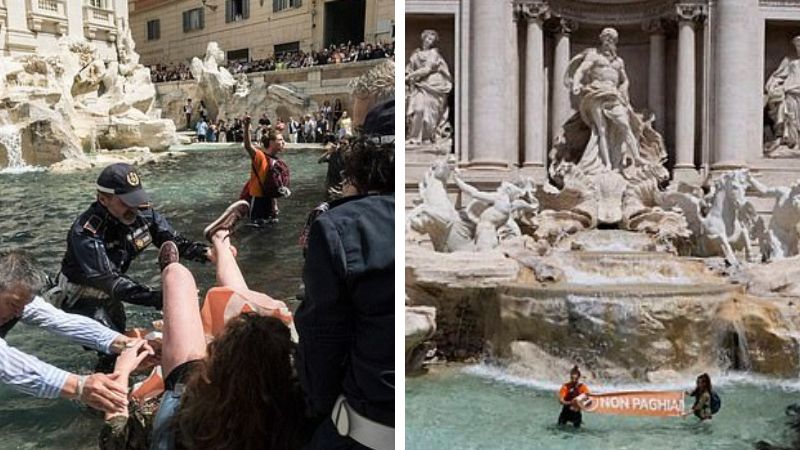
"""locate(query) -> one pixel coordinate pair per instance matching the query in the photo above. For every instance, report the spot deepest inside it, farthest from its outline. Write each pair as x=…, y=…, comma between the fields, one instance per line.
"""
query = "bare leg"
x=228, y=273
x=183, y=330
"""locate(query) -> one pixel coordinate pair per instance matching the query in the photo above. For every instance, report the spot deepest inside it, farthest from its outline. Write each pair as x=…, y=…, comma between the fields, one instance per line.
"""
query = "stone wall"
x=318, y=84
x=259, y=33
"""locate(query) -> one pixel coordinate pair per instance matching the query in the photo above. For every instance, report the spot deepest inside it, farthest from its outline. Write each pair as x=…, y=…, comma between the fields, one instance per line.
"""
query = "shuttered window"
x=153, y=30
x=236, y=10
x=193, y=19
x=280, y=5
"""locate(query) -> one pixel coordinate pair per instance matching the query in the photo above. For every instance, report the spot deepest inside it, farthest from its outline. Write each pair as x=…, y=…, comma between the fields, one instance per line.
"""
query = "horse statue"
x=723, y=221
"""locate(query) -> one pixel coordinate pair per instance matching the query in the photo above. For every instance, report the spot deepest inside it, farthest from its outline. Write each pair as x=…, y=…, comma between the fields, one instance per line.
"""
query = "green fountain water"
x=480, y=407
x=36, y=210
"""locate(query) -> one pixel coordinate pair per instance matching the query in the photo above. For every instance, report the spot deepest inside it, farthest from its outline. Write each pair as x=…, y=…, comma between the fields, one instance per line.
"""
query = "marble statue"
x=429, y=85
x=242, y=85
x=780, y=240
x=493, y=212
x=215, y=83
x=436, y=216
x=488, y=218
x=606, y=133
x=722, y=221
x=782, y=99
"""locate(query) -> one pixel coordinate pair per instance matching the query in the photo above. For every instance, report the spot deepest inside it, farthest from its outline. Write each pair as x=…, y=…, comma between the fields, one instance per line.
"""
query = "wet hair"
x=18, y=268
x=705, y=381
x=244, y=394
x=575, y=371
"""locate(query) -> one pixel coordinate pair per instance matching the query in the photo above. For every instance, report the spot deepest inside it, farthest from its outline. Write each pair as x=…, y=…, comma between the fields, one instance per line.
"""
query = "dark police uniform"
x=346, y=321
x=100, y=249
x=99, y=252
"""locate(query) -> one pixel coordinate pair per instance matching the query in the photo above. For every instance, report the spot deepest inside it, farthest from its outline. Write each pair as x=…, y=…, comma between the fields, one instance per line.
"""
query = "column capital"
x=691, y=11
x=538, y=10
x=654, y=26
x=566, y=26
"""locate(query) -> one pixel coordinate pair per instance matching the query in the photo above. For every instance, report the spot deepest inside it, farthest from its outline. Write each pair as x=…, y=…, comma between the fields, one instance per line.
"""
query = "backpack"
x=278, y=176
x=716, y=402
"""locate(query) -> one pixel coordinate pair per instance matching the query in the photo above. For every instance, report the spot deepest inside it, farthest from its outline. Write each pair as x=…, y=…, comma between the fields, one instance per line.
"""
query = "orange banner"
x=658, y=403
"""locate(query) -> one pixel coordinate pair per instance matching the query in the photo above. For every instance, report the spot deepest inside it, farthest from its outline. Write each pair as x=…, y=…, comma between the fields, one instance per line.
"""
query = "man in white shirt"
x=20, y=285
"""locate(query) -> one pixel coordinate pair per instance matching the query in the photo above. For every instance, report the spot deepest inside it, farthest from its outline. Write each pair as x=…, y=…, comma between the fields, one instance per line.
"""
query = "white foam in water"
x=577, y=276
x=9, y=137
x=499, y=374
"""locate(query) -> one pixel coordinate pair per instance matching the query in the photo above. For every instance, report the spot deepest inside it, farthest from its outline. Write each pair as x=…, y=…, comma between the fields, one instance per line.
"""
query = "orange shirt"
x=582, y=389
x=260, y=162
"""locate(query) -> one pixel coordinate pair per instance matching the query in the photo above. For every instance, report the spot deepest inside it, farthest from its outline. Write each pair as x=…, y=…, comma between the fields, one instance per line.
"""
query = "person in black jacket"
x=346, y=321
x=102, y=243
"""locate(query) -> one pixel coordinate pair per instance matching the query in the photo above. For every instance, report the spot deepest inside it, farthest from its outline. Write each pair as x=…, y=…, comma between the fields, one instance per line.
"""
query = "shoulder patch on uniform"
x=93, y=224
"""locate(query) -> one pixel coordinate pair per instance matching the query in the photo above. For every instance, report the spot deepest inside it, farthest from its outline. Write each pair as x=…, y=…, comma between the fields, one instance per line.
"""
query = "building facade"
x=173, y=31
x=697, y=67
x=35, y=26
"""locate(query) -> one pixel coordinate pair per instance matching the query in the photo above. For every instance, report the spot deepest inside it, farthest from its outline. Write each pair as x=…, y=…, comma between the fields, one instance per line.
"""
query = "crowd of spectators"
x=333, y=54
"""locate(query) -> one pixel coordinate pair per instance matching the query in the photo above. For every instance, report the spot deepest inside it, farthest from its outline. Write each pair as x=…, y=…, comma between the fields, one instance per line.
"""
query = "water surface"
x=37, y=209
x=479, y=408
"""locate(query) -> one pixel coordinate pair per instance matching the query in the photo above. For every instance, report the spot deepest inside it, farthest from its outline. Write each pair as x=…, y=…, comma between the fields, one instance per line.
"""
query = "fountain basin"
x=668, y=313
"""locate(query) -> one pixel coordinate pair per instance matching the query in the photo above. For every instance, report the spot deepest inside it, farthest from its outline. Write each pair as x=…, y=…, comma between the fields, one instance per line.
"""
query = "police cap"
x=123, y=181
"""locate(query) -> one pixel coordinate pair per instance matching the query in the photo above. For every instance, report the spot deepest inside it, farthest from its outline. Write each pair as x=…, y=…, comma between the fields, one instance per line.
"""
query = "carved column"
x=656, y=70
x=561, y=104
x=737, y=91
x=535, y=13
x=494, y=85
x=688, y=16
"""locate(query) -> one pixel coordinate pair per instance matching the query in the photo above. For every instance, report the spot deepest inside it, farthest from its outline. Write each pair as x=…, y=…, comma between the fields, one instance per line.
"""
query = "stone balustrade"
x=48, y=15
x=99, y=23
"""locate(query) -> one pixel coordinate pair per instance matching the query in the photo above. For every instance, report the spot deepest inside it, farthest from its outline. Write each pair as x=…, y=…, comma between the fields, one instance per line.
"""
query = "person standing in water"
x=570, y=411
x=702, y=394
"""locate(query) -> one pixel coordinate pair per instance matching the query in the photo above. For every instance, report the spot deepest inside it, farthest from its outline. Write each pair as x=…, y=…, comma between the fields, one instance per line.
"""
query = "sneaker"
x=228, y=219
x=167, y=255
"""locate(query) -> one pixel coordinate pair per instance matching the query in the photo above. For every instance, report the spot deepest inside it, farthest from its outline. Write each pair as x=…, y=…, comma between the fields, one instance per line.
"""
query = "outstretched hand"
x=132, y=357
x=247, y=121
x=104, y=392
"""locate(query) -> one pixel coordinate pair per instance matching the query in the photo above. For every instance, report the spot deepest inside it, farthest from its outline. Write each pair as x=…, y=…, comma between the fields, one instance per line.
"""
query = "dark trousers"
x=109, y=313
x=263, y=208
x=188, y=121
x=568, y=415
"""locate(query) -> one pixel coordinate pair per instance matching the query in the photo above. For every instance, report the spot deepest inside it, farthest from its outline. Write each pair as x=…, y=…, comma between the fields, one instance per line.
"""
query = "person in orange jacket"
x=570, y=411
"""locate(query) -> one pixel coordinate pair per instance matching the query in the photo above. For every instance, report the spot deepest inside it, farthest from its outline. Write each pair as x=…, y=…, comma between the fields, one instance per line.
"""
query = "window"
x=290, y=47
x=241, y=55
x=280, y=5
x=236, y=10
x=193, y=19
x=153, y=30
x=97, y=4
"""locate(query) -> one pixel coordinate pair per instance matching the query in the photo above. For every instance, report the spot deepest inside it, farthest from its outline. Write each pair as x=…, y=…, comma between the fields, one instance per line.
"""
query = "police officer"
x=102, y=243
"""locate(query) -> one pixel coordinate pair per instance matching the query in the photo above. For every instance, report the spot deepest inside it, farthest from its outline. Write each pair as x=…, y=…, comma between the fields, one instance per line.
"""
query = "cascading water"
x=10, y=139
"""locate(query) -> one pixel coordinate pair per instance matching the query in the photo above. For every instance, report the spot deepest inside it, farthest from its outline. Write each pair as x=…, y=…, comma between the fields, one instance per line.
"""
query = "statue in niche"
x=429, y=84
x=782, y=102
x=606, y=134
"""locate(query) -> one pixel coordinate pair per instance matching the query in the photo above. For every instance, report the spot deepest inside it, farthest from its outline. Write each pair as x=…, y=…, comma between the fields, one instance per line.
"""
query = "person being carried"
x=21, y=284
x=703, y=398
x=102, y=243
x=570, y=411
x=269, y=175
x=244, y=377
